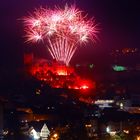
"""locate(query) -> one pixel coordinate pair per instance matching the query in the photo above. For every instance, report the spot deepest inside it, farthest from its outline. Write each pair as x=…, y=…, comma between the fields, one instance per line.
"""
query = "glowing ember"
x=84, y=87
x=61, y=29
x=62, y=72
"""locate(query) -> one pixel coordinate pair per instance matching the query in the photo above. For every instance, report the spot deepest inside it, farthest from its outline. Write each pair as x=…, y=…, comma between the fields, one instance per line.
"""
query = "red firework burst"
x=61, y=29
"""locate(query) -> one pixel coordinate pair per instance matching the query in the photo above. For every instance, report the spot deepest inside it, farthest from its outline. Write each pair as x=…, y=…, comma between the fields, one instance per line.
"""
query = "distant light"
x=88, y=125
x=55, y=135
x=113, y=133
x=126, y=131
x=119, y=68
x=108, y=129
x=121, y=105
x=91, y=66
x=38, y=91
x=138, y=137
x=5, y=132
x=104, y=101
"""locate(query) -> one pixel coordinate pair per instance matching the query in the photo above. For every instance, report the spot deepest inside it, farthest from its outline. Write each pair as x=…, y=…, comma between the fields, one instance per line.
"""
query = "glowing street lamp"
x=108, y=129
x=55, y=136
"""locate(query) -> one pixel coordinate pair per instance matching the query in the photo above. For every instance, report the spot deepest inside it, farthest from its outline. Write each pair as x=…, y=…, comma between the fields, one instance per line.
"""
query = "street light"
x=55, y=136
x=108, y=129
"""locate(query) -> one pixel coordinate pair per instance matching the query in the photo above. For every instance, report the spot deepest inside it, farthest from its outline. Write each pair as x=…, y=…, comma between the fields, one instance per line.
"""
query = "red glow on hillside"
x=60, y=76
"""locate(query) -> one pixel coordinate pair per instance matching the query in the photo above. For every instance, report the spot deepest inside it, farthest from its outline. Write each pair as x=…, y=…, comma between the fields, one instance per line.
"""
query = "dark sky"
x=119, y=22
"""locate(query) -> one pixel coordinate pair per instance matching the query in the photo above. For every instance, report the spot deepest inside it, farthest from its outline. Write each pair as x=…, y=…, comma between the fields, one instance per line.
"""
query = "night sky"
x=119, y=23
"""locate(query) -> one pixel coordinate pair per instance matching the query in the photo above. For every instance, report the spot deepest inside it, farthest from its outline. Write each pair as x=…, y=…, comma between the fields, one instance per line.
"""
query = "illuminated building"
x=104, y=103
x=44, y=132
x=34, y=134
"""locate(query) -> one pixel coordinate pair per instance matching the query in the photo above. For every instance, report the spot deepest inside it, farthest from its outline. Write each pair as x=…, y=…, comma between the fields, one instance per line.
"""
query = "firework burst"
x=62, y=30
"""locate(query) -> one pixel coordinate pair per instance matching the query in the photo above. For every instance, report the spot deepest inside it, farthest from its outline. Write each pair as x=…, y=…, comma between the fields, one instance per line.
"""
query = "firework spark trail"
x=63, y=30
x=71, y=55
x=65, y=50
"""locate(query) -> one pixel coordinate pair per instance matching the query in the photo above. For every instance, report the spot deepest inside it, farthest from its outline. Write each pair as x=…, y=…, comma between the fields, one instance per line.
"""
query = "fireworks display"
x=62, y=30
